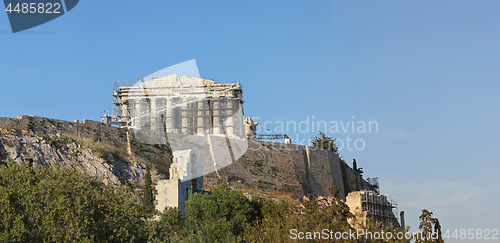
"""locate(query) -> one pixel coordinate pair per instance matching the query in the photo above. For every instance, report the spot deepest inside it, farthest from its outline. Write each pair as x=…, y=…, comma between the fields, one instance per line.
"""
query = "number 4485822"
x=34, y=8
x=477, y=234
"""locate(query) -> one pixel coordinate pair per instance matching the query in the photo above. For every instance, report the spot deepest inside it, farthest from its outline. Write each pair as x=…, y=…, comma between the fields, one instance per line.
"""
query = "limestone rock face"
x=26, y=147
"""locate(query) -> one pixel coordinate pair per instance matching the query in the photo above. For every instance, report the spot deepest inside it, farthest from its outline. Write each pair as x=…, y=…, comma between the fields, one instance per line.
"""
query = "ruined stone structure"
x=367, y=203
x=180, y=105
x=250, y=127
x=174, y=192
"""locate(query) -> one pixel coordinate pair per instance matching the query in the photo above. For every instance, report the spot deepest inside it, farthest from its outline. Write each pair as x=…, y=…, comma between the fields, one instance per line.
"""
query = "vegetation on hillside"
x=228, y=215
x=63, y=205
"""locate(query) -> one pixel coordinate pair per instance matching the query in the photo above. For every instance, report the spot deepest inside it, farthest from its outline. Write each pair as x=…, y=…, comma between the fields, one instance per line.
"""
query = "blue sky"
x=426, y=71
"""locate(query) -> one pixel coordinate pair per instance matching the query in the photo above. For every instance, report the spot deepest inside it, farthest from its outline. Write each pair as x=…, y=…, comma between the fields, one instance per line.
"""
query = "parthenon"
x=180, y=105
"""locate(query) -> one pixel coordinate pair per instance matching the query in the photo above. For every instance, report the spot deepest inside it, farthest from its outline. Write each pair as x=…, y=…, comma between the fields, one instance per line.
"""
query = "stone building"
x=174, y=191
x=370, y=204
x=185, y=105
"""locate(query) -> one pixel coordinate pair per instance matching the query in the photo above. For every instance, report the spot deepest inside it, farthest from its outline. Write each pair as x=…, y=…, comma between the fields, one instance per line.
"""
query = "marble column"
x=169, y=119
x=230, y=119
x=201, y=117
x=154, y=115
x=185, y=116
x=217, y=120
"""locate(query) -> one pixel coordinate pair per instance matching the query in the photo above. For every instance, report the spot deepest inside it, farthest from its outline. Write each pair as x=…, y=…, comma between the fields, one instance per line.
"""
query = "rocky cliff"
x=99, y=150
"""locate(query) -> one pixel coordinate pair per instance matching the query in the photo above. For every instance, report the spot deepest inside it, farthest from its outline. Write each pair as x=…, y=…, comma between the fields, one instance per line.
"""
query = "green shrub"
x=2, y=153
x=8, y=143
x=29, y=161
x=57, y=205
x=101, y=152
x=58, y=143
x=65, y=140
x=43, y=136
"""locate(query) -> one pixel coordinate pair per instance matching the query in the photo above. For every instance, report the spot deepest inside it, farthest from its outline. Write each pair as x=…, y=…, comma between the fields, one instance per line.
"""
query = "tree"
x=355, y=167
x=324, y=142
x=170, y=228
x=63, y=205
x=148, y=190
x=431, y=229
x=341, y=208
x=228, y=216
x=221, y=216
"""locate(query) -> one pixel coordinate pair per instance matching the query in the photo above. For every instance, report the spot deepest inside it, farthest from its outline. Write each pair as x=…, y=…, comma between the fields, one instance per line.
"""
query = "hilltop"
x=113, y=156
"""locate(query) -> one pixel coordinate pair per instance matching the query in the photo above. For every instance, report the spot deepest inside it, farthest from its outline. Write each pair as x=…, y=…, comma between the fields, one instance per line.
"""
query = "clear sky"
x=426, y=71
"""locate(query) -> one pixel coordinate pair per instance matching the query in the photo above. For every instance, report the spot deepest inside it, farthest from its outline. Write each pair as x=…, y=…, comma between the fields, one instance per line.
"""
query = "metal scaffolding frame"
x=382, y=208
x=200, y=108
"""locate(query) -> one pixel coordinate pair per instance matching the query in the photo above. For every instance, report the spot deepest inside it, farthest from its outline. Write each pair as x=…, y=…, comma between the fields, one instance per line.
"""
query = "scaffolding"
x=382, y=208
x=178, y=105
x=118, y=116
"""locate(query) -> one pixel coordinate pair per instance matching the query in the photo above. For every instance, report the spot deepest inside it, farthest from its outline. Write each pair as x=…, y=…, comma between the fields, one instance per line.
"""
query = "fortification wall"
x=290, y=168
x=353, y=181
